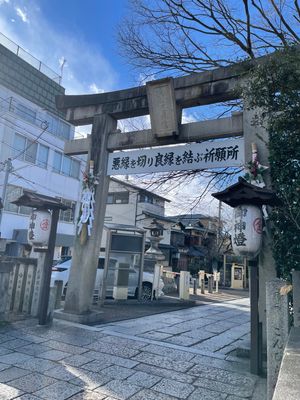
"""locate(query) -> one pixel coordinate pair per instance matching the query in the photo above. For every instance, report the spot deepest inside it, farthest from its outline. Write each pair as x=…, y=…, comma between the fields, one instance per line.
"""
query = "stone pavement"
x=184, y=354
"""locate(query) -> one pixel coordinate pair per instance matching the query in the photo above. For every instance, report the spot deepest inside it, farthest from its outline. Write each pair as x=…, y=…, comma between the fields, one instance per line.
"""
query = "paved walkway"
x=184, y=354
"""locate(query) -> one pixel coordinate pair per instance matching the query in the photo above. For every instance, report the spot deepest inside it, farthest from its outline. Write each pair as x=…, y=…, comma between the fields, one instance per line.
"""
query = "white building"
x=129, y=204
x=32, y=136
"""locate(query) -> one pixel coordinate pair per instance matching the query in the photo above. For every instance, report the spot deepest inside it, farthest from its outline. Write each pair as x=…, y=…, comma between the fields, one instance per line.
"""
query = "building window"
x=118, y=198
x=57, y=161
x=145, y=198
x=43, y=153
x=67, y=215
x=58, y=127
x=26, y=113
x=13, y=193
x=28, y=150
x=66, y=165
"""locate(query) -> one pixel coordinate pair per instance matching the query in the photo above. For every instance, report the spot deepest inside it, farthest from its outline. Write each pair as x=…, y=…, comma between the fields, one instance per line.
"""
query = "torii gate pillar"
x=85, y=257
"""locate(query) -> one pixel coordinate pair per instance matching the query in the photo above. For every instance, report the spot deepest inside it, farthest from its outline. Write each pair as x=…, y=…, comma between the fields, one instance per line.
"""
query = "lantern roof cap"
x=243, y=192
x=40, y=201
x=156, y=225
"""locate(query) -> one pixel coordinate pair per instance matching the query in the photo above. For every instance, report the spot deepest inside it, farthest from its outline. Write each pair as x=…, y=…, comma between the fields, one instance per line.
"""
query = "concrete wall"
x=22, y=78
x=288, y=383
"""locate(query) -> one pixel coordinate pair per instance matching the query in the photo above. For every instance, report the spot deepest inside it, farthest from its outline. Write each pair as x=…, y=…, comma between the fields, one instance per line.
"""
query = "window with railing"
x=29, y=150
x=66, y=165
x=118, y=198
x=58, y=127
x=145, y=198
x=23, y=111
x=67, y=215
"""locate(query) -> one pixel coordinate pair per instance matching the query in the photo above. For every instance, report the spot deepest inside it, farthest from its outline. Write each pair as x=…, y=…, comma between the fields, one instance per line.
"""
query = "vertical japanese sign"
x=216, y=154
x=247, y=230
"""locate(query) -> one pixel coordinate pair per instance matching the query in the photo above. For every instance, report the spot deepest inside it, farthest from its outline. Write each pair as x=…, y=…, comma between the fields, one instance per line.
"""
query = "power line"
x=35, y=165
x=38, y=184
x=13, y=125
x=10, y=105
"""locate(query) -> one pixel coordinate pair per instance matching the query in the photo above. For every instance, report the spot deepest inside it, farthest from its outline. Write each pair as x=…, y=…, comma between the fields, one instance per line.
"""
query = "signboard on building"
x=215, y=154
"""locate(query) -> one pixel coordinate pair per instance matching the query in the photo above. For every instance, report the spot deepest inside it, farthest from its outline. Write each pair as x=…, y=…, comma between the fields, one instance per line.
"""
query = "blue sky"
x=82, y=32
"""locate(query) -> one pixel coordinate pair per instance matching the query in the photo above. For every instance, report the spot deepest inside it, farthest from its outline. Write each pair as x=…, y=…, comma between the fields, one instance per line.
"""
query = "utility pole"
x=8, y=169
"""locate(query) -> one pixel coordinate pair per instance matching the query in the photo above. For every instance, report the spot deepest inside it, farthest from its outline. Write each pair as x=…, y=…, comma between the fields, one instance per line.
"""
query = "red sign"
x=257, y=225
x=44, y=225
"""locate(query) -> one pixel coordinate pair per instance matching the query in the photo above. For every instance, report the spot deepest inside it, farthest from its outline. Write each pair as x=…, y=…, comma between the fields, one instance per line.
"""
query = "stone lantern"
x=155, y=254
x=156, y=235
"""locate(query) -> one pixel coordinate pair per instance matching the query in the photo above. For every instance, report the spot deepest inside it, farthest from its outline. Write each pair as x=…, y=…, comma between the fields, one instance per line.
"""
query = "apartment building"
x=130, y=204
x=32, y=137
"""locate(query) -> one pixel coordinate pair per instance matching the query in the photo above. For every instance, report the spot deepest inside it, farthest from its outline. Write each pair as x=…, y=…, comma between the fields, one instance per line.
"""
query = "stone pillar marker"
x=85, y=257
x=5, y=268
x=296, y=297
x=277, y=330
x=120, y=289
x=210, y=282
x=201, y=275
x=40, y=256
x=202, y=286
x=184, y=285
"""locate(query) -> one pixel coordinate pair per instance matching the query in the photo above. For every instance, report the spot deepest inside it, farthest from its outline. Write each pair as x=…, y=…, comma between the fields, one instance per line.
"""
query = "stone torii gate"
x=164, y=100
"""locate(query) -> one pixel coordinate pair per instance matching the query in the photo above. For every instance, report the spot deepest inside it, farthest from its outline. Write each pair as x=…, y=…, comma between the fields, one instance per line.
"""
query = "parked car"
x=61, y=271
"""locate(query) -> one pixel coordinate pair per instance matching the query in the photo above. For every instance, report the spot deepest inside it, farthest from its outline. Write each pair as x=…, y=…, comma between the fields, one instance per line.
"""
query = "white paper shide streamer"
x=87, y=211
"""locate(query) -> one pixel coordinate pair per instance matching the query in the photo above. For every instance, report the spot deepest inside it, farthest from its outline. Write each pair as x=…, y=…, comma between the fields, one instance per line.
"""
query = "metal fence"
x=19, y=51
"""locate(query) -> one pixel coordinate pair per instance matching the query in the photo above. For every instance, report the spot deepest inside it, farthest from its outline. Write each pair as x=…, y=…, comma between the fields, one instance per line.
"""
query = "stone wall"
x=19, y=282
x=288, y=383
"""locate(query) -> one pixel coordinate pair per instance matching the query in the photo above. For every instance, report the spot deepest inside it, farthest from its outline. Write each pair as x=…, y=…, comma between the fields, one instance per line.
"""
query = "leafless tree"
x=177, y=37
x=186, y=36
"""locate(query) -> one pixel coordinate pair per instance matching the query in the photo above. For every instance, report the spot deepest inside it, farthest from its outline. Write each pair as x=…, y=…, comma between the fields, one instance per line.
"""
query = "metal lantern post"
x=246, y=200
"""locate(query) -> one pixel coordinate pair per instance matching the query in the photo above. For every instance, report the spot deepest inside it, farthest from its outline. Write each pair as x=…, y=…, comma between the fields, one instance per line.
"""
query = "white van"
x=60, y=272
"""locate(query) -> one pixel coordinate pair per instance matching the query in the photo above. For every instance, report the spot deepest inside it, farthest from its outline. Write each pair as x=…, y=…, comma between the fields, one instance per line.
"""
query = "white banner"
x=217, y=154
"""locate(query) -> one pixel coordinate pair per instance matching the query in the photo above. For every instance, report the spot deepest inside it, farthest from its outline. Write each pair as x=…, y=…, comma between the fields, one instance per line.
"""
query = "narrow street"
x=183, y=354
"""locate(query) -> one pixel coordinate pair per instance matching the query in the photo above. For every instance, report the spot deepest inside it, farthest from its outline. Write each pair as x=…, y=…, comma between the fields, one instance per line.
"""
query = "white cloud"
x=135, y=124
x=22, y=14
x=187, y=117
x=86, y=64
x=186, y=197
x=95, y=89
x=4, y=2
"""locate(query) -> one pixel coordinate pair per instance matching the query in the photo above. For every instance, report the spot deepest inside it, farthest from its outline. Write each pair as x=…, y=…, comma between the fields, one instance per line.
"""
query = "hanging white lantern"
x=247, y=230
x=39, y=228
